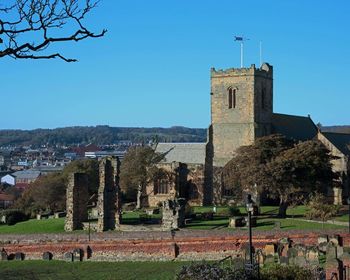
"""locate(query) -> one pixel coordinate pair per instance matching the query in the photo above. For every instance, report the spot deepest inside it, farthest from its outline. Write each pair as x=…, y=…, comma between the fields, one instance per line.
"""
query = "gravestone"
x=47, y=256
x=235, y=222
x=300, y=261
x=334, y=239
x=68, y=257
x=269, y=259
x=3, y=255
x=78, y=255
x=19, y=256
x=270, y=249
x=331, y=251
x=322, y=239
x=312, y=255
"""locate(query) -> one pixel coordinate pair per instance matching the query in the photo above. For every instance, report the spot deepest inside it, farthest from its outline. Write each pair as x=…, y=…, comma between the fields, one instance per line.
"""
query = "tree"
x=298, y=171
x=284, y=169
x=319, y=208
x=48, y=193
x=138, y=169
x=248, y=167
x=29, y=27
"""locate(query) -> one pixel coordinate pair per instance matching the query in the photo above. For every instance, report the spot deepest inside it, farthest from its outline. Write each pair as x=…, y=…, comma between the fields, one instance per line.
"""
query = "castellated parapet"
x=108, y=204
x=241, y=108
x=77, y=200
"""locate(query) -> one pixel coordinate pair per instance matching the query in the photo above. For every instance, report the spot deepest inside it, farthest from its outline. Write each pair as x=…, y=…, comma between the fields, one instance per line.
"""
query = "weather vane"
x=241, y=39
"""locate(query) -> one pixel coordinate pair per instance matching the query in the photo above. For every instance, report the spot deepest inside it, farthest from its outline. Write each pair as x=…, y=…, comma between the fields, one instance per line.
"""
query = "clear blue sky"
x=152, y=68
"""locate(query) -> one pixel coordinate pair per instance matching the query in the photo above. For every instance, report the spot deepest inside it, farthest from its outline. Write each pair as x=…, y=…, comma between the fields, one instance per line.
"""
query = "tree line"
x=99, y=135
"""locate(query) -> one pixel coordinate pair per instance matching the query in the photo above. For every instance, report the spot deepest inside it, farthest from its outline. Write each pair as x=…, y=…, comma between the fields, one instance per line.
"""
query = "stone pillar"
x=77, y=199
x=338, y=196
x=108, y=204
x=173, y=214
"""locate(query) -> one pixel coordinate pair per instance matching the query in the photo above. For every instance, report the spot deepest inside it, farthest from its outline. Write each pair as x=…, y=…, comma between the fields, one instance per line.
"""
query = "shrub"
x=319, y=208
x=15, y=216
x=205, y=271
x=279, y=272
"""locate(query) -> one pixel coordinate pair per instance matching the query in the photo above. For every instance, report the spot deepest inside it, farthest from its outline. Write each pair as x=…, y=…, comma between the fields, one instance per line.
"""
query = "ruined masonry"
x=77, y=199
x=109, y=204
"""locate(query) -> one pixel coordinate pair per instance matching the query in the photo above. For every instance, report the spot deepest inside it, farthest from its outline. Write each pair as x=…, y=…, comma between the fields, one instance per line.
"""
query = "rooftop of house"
x=27, y=174
x=183, y=152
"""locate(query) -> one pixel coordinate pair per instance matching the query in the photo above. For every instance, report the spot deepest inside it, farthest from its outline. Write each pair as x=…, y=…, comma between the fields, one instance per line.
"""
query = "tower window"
x=231, y=98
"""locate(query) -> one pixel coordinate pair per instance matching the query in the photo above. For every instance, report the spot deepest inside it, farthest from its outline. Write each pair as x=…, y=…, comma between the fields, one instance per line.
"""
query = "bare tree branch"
x=30, y=27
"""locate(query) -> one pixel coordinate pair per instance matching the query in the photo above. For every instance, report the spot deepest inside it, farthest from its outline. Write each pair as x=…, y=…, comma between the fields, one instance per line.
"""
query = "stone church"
x=241, y=111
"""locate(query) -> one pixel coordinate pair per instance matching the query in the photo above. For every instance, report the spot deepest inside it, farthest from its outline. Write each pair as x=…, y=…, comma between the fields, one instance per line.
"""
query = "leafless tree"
x=29, y=27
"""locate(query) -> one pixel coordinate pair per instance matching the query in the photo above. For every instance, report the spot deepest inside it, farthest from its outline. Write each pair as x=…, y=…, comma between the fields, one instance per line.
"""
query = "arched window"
x=231, y=98
x=161, y=186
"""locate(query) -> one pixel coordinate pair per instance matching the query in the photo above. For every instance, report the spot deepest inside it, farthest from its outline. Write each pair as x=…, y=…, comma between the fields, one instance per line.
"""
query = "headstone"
x=173, y=214
x=301, y=250
x=235, y=222
x=3, y=255
x=277, y=225
x=78, y=255
x=260, y=257
x=331, y=251
x=47, y=256
x=322, y=239
x=68, y=257
x=340, y=251
x=323, y=247
x=334, y=239
x=292, y=253
x=312, y=255
x=19, y=256
x=282, y=249
x=300, y=261
x=270, y=249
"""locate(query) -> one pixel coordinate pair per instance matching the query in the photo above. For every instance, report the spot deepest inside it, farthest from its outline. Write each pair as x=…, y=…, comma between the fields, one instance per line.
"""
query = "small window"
x=231, y=98
x=161, y=186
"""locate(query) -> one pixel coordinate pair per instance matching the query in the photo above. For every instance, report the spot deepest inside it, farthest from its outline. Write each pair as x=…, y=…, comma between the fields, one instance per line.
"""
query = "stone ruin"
x=173, y=214
x=77, y=200
x=108, y=204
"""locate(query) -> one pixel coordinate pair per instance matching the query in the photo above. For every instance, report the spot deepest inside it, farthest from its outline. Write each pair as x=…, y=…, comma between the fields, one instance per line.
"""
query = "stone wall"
x=184, y=245
x=77, y=200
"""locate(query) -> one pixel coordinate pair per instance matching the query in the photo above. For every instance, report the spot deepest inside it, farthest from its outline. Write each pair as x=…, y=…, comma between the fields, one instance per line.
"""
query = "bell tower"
x=241, y=109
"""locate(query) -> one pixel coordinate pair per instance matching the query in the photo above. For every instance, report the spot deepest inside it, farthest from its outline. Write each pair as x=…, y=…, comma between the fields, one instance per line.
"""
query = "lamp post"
x=348, y=201
x=249, y=210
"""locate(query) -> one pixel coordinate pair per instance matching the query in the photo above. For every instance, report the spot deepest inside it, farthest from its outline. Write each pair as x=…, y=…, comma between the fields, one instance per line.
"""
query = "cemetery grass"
x=56, y=270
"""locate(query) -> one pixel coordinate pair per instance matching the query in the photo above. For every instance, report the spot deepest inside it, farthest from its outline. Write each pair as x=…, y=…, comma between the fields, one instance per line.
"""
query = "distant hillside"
x=99, y=135
x=336, y=128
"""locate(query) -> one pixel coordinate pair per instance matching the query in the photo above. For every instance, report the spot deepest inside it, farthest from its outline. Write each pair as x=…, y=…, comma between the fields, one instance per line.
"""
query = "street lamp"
x=348, y=201
x=250, y=210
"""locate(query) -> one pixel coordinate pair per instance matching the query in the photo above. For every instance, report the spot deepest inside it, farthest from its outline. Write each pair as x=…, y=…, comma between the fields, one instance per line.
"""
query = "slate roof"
x=294, y=127
x=27, y=174
x=339, y=140
x=183, y=152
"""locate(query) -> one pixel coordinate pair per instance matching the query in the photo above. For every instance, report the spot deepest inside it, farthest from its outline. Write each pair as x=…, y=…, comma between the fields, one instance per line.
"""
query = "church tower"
x=241, y=109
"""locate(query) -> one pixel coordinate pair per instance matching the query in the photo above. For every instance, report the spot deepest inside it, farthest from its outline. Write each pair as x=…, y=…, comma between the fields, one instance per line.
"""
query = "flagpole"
x=241, y=54
x=260, y=53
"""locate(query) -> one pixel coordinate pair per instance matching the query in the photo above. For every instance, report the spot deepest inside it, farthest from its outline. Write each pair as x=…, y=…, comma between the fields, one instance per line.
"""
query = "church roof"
x=294, y=127
x=183, y=152
x=340, y=140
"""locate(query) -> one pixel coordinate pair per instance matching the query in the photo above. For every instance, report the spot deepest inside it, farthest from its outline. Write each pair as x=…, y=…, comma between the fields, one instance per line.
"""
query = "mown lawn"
x=56, y=270
x=265, y=222
x=35, y=226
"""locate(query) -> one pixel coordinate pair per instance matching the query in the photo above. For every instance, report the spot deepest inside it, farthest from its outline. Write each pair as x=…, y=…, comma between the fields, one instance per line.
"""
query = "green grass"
x=57, y=270
x=35, y=226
